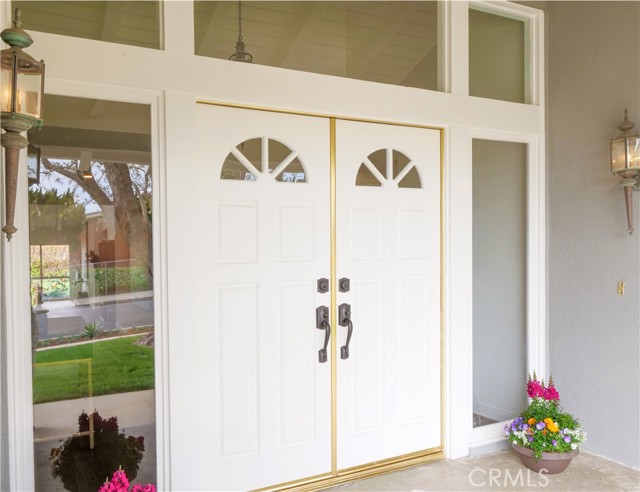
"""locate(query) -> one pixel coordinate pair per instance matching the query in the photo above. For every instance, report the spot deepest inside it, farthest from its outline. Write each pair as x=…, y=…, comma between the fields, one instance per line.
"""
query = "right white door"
x=388, y=245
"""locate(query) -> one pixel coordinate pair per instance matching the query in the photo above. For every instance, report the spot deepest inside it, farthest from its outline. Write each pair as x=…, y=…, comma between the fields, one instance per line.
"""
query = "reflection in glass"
x=92, y=296
x=388, y=42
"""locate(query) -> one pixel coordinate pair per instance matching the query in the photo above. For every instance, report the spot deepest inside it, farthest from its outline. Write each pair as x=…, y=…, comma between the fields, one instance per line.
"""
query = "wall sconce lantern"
x=625, y=161
x=21, y=105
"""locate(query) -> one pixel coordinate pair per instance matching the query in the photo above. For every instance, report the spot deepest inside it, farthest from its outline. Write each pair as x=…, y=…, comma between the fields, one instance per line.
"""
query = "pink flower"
x=534, y=389
x=120, y=483
x=550, y=393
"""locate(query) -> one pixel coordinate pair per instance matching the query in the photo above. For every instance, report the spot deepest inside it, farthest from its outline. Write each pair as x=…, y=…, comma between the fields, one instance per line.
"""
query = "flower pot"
x=550, y=463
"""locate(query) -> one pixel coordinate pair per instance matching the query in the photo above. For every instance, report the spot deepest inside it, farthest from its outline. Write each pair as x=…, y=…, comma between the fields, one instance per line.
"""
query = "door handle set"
x=344, y=319
x=322, y=323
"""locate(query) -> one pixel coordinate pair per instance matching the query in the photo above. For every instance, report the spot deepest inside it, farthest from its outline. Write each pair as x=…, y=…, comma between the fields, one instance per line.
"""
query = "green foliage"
x=118, y=366
x=128, y=279
x=92, y=329
x=49, y=206
x=84, y=469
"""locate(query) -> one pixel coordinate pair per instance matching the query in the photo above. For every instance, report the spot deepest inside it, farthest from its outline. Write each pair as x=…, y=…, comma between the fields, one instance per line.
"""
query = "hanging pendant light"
x=241, y=55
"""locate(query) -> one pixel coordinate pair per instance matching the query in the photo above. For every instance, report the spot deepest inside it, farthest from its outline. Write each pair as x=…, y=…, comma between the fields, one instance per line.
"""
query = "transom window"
x=257, y=157
x=388, y=167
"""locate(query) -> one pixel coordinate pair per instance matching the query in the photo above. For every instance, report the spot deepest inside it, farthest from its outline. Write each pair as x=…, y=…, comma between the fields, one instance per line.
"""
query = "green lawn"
x=117, y=366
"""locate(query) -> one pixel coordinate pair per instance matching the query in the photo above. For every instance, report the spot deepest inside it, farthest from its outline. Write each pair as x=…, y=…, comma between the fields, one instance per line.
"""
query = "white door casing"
x=262, y=389
x=388, y=244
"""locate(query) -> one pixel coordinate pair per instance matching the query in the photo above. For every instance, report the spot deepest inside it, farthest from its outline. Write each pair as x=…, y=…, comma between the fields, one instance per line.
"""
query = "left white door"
x=264, y=226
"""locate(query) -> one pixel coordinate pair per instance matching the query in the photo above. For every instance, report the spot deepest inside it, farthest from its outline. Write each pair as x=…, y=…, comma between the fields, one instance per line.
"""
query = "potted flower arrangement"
x=545, y=437
x=82, y=467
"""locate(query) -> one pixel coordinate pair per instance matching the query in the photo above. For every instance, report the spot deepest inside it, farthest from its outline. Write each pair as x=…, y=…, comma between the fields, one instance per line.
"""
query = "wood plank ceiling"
x=383, y=41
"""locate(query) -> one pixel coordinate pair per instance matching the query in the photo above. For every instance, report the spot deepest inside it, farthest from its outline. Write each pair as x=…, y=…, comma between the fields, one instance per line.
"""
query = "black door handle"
x=322, y=323
x=344, y=319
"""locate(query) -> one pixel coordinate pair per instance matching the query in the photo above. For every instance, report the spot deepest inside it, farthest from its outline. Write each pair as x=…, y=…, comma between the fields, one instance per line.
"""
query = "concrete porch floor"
x=502, y=471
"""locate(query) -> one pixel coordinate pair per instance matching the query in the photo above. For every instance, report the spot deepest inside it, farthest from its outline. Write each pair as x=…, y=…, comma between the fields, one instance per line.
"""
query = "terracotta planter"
x=550, y=463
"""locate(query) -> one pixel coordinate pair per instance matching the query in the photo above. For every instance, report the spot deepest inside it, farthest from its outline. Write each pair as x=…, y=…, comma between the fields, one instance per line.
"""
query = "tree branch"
x=91, y=187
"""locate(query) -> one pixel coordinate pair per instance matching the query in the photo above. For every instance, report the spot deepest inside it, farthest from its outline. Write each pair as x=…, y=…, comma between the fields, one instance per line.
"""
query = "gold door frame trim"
x=334, y=302
x=335, y=476
x=316, y=115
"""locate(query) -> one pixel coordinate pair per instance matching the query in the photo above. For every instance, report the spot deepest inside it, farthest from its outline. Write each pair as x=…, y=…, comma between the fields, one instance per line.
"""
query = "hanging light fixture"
x=240, y=54
x=625, y=162
x=21, y=105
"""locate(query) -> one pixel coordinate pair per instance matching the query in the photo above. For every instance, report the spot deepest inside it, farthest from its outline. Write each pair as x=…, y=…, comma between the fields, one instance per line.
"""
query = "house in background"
x=452, y=185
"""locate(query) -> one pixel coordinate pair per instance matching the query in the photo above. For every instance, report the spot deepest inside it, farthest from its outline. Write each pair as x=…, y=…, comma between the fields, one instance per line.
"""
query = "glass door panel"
x=499, y=280
x=92, y=295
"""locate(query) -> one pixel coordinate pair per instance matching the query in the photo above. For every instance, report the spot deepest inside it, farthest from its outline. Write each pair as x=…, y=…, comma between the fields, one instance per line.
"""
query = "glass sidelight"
x=499, y=280
x=92, y=301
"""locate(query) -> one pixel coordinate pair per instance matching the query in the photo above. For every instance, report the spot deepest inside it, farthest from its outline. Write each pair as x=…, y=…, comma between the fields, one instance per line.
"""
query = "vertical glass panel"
x=497, y=57
x=92, y=295
x=135, y=23
x=499, y=280
x=393, y=42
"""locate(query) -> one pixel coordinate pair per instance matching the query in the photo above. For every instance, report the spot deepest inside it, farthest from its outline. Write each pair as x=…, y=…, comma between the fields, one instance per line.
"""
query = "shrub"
x=92, y=329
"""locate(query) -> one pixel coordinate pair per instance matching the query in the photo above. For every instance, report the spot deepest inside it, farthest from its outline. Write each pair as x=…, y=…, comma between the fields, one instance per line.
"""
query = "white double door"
x=266, y=226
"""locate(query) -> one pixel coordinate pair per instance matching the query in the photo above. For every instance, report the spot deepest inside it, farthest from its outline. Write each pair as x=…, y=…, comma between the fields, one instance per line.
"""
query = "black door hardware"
x=322, y=323
x=344, y=319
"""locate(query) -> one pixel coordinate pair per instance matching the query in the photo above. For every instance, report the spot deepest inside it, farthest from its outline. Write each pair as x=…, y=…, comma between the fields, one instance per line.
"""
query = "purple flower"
x=567, y=439
x=540, y=425
x=530, y=438
x=554, y=442
x=525, y=427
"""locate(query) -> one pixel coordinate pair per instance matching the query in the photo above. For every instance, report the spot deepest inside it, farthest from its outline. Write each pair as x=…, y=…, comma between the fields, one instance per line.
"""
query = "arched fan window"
x=263, y=157
x=388, y=167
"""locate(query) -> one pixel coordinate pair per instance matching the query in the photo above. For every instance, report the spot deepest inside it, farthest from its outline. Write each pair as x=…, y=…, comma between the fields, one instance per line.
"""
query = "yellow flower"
x=531, y=421
x=551, y=425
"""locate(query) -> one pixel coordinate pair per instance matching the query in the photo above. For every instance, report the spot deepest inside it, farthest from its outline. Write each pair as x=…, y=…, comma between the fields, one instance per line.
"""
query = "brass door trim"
x=360, y=472
x=315, y=115
x=334, y=300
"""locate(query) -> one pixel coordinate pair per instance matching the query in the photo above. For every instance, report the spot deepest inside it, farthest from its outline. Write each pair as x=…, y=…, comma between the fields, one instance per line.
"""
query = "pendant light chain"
x=240, y=54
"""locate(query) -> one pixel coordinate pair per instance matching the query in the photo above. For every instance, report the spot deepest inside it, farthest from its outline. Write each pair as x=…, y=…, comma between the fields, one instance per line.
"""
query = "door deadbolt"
x=344, y=284
x=323, y=285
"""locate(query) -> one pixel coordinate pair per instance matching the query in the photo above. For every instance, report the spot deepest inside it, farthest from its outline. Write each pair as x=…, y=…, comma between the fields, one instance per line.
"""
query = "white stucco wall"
x=594, y=74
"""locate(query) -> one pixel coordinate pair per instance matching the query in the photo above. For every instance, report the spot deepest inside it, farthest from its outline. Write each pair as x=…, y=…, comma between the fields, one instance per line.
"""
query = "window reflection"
x=92, y=296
